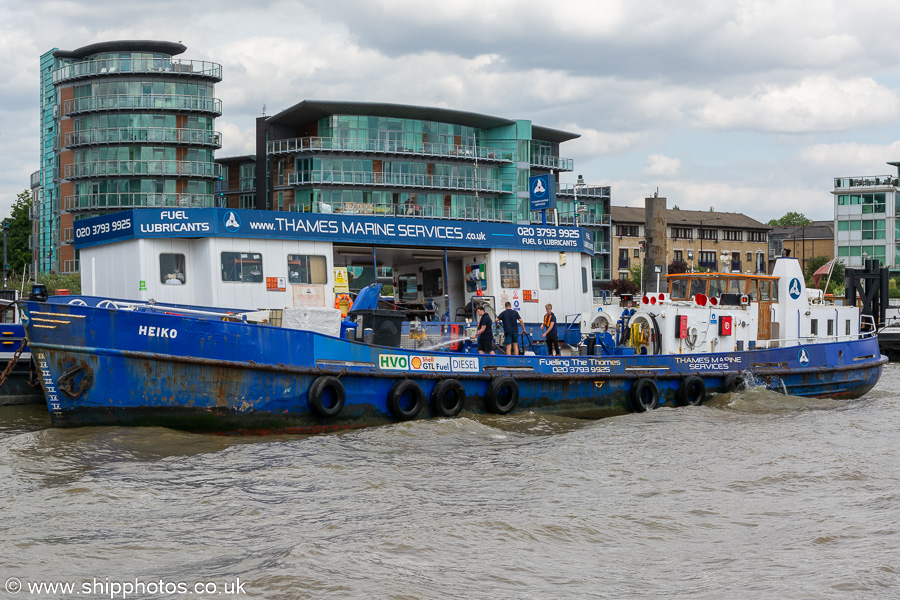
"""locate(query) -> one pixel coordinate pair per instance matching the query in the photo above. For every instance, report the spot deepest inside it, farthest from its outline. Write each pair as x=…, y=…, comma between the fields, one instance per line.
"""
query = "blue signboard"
x=542, y=190
x=359, y=229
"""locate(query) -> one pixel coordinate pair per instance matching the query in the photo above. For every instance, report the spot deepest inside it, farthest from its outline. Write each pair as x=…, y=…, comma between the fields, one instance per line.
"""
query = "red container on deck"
x=61, y=292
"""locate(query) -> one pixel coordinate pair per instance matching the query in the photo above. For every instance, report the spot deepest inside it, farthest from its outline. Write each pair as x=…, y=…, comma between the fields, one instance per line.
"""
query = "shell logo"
x=416, y=362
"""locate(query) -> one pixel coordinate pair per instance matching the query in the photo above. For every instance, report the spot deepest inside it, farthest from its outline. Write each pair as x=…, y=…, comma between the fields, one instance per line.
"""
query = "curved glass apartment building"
x=419, y=162
x=124, y=125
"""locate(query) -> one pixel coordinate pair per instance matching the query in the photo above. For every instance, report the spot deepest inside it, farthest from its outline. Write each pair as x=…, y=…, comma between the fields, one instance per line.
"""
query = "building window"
x=731, y=235
x=304, y=269
x=242, y=266
x=756, y=236
x=709, y=234
x=509, y=274
x=547, y=276
x=627, y=230
x=171, y=269
x=749, y=257
x=678, y=255
x=637, y=252
x=682, y=233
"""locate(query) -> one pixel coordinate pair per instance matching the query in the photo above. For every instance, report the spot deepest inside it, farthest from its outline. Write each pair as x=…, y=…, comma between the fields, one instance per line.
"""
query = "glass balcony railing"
x=866, y=181
x=112, y=168
x=137, y=200
x=413, y=210
x=319, y=144
x=552, y=162
x=157, y=66
x=35, y=179
x=411, y=180
x=69, y=266
x=149, y=102
x=567, y=217
x=584, y=191
x=120, y=135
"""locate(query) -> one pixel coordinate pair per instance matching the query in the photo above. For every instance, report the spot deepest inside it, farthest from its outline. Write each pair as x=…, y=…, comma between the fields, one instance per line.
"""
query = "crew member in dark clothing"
x=510, y=320
x=485, y=333
x=548, y=328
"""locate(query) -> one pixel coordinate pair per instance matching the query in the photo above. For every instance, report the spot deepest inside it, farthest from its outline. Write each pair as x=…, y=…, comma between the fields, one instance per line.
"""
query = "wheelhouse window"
x=171, y=269
x=306, y=269
x=509, y=274
x=245, y=267
x=433, y=282
x=408, y=285
x=548, y=276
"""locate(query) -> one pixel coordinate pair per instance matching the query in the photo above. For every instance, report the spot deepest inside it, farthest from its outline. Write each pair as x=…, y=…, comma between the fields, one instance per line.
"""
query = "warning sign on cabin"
x=529, y=295
x=275, y=284
x=341, y=282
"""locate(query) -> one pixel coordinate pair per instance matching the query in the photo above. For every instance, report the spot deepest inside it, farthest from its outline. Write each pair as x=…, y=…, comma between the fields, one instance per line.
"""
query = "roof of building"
x=160, y=47
x=236, y=159
x=713, y=220
x=817, y=230
x=313, y=110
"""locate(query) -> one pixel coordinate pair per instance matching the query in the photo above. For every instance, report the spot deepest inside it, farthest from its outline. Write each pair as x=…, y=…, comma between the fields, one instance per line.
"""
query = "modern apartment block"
x=708, y=241
x=418, y=162
x=124, y=124
x=865, y=219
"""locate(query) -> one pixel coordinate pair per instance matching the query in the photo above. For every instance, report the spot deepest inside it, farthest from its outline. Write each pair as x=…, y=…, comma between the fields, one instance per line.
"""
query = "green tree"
x=18, y=228
x=791, y=219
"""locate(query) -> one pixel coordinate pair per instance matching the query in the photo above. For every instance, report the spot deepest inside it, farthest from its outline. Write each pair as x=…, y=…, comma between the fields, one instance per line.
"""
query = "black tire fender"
x=733, y=382
x=319, y=401
x=691, y=391
x=502, y=395
x=644, y=395
x=448, y=398
x=405, y=411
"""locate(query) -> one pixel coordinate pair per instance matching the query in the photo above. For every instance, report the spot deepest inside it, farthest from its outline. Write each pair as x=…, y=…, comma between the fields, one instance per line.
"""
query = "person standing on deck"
x=485, y=332
x=550, y=335
x=510, y=320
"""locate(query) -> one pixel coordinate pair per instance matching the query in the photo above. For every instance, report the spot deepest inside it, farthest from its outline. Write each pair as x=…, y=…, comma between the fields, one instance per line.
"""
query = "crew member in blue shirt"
x=510, y=320
x=485, y=333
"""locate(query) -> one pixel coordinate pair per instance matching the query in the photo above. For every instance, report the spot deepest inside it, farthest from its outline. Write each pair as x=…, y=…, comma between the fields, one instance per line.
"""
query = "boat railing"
x=161, y=308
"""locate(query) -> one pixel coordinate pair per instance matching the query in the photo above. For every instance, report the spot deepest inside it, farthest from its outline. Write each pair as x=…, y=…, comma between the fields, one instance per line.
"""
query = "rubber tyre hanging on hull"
x=405, y=410
x=644, y=395
x=734, y=382
x=691, y=392
x=502, y=395
x=327, y=396
x=448, y=398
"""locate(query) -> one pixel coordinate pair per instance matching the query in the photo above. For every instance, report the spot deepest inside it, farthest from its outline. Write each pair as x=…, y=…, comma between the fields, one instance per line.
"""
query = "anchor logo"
x=803, y=357
x=232, y=222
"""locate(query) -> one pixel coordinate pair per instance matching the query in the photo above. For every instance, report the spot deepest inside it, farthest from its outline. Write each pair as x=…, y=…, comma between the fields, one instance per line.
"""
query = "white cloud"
x=814, y=104
x=848, y=159
x=661, y=166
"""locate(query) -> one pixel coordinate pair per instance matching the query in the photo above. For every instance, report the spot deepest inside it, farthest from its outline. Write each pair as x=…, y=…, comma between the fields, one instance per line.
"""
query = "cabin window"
x=584, y=280
x=736, y=286
x=717, y=287
x=814, y=327
x=547, y=275
x=765, y=291
x=433, y=282
x=847, y=329
x=408, y=287
x=509, y=274
x=242, y=266
x=830, y=327
x=753, y=292
x=171, y=269
x=306, y=269
x=679, y=289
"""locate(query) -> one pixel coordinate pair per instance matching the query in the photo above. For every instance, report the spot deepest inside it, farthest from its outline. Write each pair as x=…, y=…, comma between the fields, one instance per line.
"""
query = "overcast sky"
x=749, y=106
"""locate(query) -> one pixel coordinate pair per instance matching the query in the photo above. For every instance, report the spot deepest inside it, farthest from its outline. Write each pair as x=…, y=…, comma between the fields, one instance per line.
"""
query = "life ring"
x=733, y=382
x=341, y=298
x=327, y=396
x=448, y=398
x=644, y=395
x=691, y=392
x=502, y=395
x=405, y=410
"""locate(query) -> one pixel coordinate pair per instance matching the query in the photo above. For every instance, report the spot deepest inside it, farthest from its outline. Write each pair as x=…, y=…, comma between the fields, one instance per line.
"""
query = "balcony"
x=162, y=168
x=395, y=180
x=552, y=162
x=147, y=102
x=137, y=66
x=120, y=135
x=584, y=191
x=136, y=200
x=416, y=211
x=624, y=263
x=866, y=181
x=69, y=266
x=66, y=236
x=427, y=150
x=35, y=179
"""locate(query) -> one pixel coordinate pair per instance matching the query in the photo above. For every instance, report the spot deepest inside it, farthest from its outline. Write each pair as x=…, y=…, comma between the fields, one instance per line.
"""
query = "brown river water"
x=753, y=495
